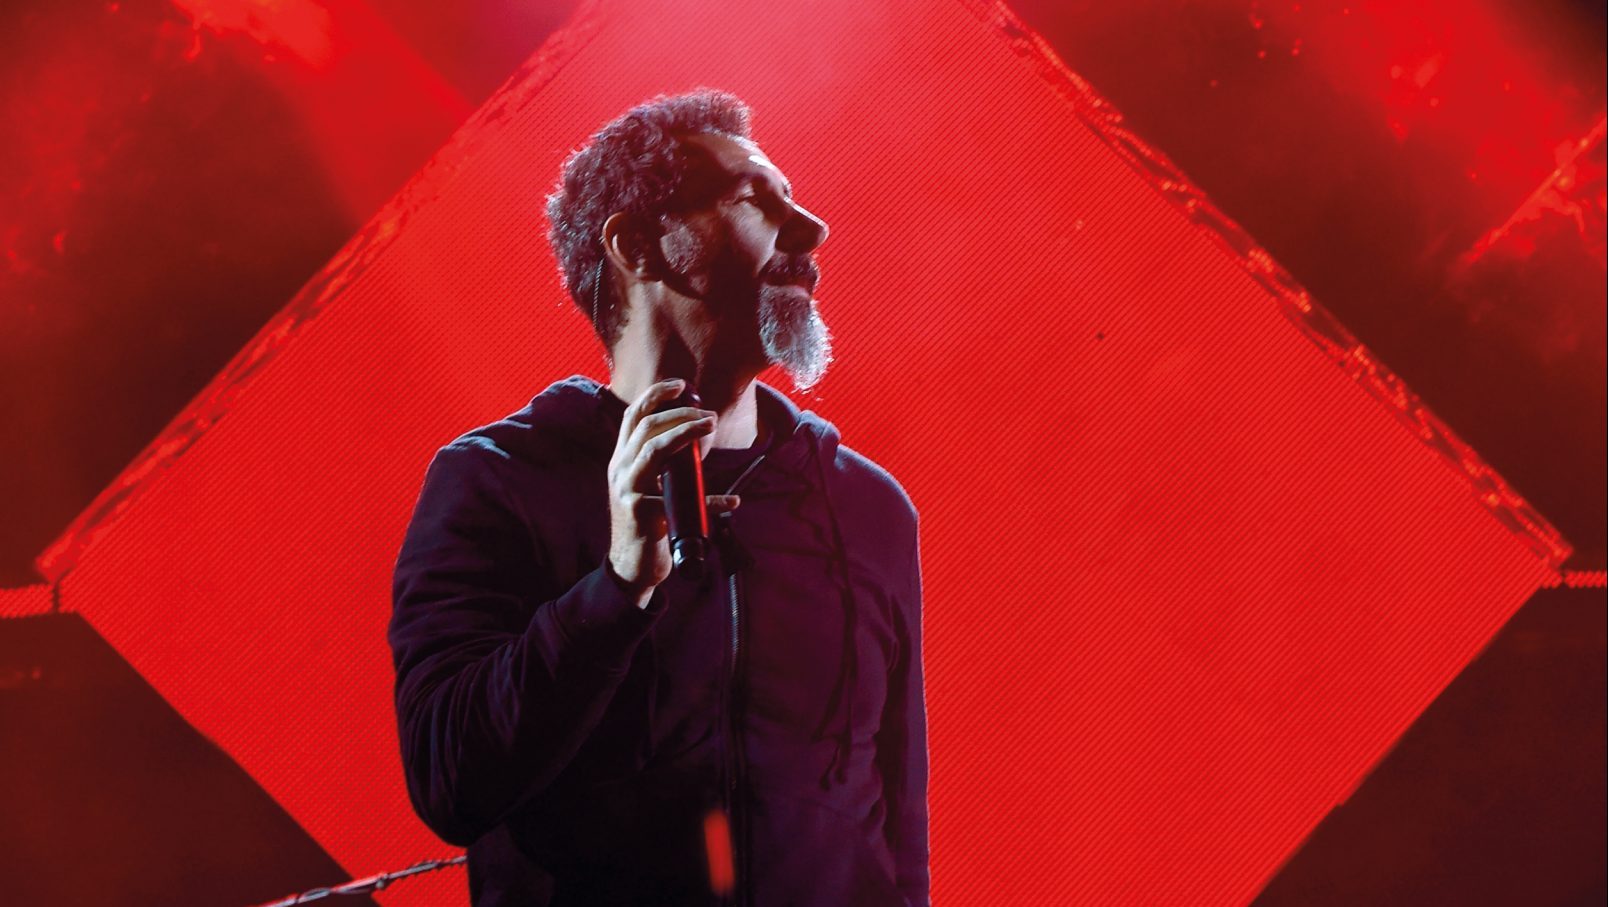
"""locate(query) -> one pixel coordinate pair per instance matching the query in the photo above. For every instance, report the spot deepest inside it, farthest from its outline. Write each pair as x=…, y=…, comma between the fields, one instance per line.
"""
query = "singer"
x=597, y=727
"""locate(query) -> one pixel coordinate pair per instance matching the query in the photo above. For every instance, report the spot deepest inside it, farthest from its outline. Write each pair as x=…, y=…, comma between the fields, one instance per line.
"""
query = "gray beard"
x=794, y=336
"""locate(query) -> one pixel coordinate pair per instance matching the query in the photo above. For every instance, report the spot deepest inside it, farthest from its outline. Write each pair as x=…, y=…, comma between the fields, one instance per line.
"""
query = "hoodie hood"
x=588, y=414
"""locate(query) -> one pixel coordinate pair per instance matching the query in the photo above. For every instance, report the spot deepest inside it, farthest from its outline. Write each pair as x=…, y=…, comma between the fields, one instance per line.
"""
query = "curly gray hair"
x=634, y=164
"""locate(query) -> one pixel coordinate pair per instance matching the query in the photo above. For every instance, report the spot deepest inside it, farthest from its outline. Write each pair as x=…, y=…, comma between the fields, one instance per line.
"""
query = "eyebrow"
x=753, y=177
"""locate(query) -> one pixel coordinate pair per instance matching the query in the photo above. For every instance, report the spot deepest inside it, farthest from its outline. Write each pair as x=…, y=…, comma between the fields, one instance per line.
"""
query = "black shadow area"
x=1495, y=796
x=108, y=796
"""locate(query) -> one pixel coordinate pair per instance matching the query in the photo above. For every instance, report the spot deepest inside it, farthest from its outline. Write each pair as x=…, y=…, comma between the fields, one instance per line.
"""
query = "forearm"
x=490, y=722
x=496, y=688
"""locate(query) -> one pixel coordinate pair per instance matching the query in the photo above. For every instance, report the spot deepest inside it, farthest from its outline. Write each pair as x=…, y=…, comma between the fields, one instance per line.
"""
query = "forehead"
x=732, y=157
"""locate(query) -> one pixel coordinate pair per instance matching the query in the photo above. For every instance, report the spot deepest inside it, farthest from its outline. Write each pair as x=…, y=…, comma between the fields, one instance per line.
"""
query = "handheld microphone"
x=684, y=500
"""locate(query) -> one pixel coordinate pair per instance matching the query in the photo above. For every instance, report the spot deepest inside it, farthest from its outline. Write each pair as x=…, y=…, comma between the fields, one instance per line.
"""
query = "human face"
x=744, y=246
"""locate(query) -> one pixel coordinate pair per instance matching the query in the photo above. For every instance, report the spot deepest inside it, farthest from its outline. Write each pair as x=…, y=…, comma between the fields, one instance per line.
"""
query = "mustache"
x=799, y=269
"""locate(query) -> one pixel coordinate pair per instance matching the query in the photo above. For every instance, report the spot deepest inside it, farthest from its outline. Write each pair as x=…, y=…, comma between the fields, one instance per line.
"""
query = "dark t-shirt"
x=723, y=465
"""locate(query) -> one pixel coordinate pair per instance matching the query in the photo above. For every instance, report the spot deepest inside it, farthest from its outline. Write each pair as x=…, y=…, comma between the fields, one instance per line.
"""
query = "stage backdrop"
x=1193, y=560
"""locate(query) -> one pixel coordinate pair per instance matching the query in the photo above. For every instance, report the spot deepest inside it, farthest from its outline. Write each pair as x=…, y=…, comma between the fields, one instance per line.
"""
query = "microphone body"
x=684, y=501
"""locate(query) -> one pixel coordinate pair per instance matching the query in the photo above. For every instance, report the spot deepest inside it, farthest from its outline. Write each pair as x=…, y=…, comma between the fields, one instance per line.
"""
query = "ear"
x=632, y=246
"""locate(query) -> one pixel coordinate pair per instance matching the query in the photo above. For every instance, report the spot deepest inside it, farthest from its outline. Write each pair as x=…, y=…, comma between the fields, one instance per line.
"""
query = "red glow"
x=301, y=27
x=1457, y=75
x=717, y=845
x=1574, y=193
x=1219, y=570
x=374, y=107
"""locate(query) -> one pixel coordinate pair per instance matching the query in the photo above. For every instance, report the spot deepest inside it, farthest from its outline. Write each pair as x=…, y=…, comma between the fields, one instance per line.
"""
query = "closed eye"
x=769, y=205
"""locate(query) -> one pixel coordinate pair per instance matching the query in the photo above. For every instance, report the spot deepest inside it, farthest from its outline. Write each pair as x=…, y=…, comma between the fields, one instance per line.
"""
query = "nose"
x=802, y=232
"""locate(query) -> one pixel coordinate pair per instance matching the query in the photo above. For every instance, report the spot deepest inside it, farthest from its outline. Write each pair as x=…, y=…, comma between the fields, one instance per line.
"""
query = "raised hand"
x=639, y=547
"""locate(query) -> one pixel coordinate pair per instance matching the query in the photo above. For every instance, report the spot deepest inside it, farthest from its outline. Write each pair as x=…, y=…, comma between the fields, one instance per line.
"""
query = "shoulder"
x=886, y=526
x=869, y=476
x=874, y=494
x=543, y=450
x=548, y=431
x=491, y=445
x=867, y=484
x=479, y=457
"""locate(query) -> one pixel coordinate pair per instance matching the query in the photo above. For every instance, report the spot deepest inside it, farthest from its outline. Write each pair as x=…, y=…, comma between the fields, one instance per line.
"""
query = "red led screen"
x=1192, y=560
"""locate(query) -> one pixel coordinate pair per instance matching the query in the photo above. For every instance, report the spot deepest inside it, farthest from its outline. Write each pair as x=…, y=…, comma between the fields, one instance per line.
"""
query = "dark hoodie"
x=578, y=745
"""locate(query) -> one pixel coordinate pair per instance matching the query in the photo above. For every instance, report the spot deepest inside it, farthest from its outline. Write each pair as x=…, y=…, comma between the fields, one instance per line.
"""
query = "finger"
x=723, y=503
x=645, y=403
x=655, y=454
x=648, y=509
x=655, y=424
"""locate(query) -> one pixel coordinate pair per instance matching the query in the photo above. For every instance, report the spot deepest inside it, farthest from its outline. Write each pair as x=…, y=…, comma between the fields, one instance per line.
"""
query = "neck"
x=643, y=357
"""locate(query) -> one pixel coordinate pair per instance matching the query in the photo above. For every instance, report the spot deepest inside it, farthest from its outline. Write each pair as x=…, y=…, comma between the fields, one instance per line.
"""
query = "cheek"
x=687, y=251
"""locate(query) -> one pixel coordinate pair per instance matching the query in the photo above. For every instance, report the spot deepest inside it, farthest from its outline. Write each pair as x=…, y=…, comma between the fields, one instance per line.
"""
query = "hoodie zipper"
x=735, y=769
x=736, y=762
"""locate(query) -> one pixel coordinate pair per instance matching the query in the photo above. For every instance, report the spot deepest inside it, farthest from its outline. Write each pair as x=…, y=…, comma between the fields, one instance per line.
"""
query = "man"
x=600, y=730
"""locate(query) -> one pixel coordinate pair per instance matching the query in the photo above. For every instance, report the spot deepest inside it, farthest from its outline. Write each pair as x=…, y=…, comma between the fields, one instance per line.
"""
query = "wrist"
x=636, y=591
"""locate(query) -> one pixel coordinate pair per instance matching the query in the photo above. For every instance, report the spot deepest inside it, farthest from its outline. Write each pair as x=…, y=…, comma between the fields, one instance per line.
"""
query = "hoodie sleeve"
x=902, y=746
x=495, y=690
